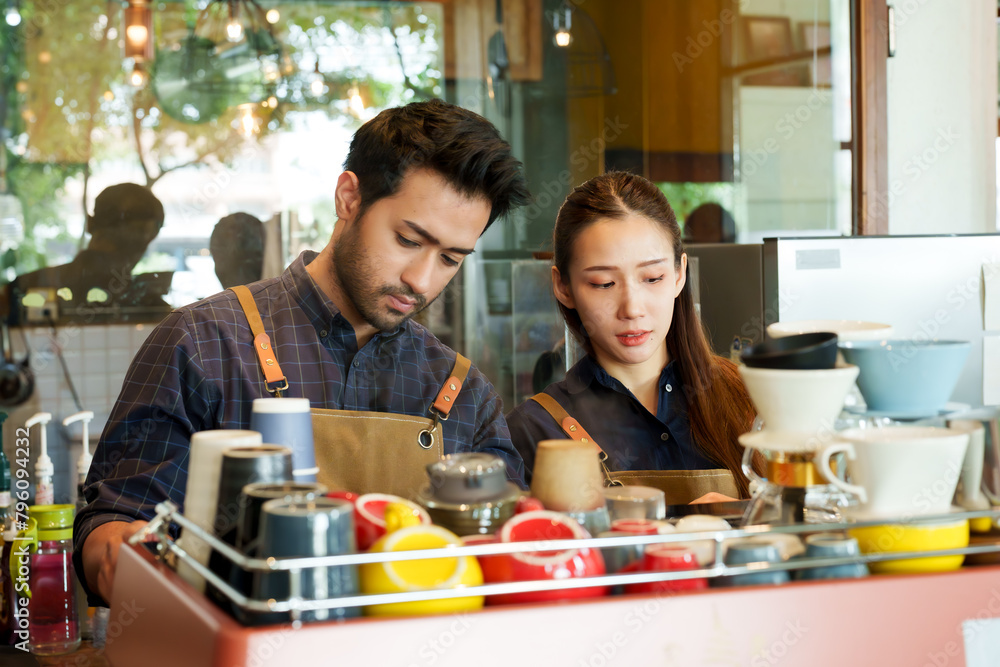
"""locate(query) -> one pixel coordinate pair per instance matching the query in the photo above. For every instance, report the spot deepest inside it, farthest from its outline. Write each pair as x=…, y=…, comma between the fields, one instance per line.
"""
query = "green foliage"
x=686, y=197
x=68, y=110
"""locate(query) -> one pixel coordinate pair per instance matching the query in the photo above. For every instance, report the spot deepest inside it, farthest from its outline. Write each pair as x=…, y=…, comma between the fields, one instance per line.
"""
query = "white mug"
x=900, y=471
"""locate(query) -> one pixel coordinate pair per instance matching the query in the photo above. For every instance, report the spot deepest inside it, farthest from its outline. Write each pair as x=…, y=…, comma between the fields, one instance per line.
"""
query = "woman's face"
x=622, y=281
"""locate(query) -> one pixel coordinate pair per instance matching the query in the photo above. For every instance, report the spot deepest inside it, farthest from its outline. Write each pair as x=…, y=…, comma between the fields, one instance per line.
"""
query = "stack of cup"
x=201, y=493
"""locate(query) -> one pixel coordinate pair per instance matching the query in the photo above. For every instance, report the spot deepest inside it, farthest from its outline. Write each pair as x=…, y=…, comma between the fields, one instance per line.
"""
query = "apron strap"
x=574, y=430
x=452, y=386
x=261, y=343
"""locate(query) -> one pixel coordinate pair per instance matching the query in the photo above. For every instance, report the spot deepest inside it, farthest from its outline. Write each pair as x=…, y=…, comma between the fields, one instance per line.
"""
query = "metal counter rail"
x=295, y=604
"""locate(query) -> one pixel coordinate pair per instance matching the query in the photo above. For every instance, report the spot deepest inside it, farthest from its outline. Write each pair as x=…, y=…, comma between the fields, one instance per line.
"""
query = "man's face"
x=393, y=261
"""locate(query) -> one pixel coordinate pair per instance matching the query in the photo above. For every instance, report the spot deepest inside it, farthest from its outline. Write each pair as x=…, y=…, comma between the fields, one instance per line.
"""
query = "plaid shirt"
x=197, y=370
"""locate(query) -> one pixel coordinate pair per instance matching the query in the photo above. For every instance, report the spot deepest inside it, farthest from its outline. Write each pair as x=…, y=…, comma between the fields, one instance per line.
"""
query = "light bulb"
x=138, y=77
x=562, y=38
x=13, y=16
x=234, y=30
x=272, y=16
x=317, y=87
x=137, y=34
x=272, y=101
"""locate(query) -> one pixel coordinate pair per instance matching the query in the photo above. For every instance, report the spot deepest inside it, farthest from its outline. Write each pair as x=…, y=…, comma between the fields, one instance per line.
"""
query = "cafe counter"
x=915, y=619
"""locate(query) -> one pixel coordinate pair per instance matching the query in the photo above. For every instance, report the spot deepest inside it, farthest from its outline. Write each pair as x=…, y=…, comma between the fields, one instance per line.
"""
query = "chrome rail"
x=156, y=532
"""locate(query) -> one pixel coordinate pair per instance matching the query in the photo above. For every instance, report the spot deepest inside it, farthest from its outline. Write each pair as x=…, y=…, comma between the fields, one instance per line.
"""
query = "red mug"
x=636, y=526
x=541, y=525
x=665, y=558
x=369, y=516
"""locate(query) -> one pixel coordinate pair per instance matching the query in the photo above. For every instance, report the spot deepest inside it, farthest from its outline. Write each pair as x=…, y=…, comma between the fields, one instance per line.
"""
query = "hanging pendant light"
x=138, y=43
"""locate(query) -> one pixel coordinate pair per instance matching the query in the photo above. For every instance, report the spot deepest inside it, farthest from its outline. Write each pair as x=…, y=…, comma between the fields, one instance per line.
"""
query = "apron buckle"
x=438, y=415
x=426, y=437
x=277, y=390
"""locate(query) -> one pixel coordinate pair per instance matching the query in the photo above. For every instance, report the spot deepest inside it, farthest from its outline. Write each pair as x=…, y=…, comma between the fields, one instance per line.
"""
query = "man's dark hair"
x=462, y=146
x=125, y=203
x=237, y=246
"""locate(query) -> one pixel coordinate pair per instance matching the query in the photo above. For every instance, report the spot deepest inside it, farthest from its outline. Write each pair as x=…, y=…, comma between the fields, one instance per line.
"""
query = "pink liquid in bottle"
x=53, y=627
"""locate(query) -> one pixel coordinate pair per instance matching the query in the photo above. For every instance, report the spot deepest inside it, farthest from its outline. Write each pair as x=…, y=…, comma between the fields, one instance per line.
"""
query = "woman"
x=666, y=411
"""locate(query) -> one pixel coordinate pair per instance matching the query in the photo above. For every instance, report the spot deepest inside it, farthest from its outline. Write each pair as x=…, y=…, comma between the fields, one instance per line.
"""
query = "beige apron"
x=680, y=486
x=361, y=451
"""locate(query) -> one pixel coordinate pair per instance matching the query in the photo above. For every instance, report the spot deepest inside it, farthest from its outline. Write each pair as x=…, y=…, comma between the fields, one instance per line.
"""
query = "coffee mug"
x=535, y=565
x=421, y=574
x=635, y=502
x=288, y=422
x=969, y=493
x=252, y=499
x=567, y=476
x=898, y=471
x=832, y=546
x=666, y=558
x=752, y=550
x=369, y=516
x=318, y=527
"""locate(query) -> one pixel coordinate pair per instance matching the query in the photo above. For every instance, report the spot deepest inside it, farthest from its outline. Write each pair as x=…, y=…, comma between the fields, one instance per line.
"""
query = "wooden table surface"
x=85, y=656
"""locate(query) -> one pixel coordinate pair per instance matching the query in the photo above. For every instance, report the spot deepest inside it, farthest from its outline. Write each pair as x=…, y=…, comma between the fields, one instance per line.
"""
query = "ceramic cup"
x=288, y=422
x=635, y=502
x=666, y=558
x=421, y=575
x=318, y=527
x=832, y=546
x=969, y=492
x=242, y=466
x=535, y=565
x=898, y=471
x=752, y=550
x=253, y=498
x=369, y=516
x=567, y=476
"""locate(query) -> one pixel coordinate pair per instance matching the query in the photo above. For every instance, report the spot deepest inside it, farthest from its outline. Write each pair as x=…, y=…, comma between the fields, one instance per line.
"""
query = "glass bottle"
x=53, y=625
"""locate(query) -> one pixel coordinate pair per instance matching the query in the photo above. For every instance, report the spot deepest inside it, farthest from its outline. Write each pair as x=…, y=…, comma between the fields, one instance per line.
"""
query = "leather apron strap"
x=363, y=451
x=261, y=343
x=574, y=430
x=679, y=486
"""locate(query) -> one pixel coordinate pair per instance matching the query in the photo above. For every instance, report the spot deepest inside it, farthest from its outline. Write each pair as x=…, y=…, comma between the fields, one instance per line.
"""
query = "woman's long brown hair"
x=719, y=407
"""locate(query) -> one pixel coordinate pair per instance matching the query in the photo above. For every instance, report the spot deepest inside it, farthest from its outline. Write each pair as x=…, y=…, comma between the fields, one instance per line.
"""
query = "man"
x=421, y=184
x=237, y=247
x=127, y=217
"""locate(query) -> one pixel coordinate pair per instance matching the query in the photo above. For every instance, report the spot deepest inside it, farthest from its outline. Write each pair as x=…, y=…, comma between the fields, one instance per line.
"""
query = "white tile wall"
x=97, y=358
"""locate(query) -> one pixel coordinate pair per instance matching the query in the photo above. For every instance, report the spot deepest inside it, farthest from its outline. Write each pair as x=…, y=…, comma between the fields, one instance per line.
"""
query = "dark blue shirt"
x=633, y=438
x=197, y=370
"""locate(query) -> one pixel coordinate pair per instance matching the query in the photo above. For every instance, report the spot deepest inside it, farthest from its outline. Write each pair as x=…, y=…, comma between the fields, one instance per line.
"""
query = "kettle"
x=17, y=382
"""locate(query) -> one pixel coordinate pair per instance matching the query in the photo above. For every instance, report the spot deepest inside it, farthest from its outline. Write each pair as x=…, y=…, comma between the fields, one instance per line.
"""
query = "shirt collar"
x=320, y=309
x=588, y=371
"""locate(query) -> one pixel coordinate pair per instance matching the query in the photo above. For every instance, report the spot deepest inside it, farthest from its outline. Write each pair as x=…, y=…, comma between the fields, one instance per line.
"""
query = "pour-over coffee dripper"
x=799, y=410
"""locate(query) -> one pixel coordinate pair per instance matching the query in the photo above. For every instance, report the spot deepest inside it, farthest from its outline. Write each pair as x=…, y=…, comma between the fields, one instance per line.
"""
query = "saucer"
x=949, y=409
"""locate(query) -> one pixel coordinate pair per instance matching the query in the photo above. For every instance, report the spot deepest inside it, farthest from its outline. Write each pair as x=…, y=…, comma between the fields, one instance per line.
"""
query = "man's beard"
x=355, y=274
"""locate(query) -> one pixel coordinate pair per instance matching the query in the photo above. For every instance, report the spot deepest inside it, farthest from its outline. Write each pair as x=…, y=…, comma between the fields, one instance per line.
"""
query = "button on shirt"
x=197, y=371
x=633, y=438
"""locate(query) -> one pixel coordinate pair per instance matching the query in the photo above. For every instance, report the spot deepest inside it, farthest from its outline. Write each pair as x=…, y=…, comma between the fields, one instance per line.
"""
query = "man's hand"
x=100, y=554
